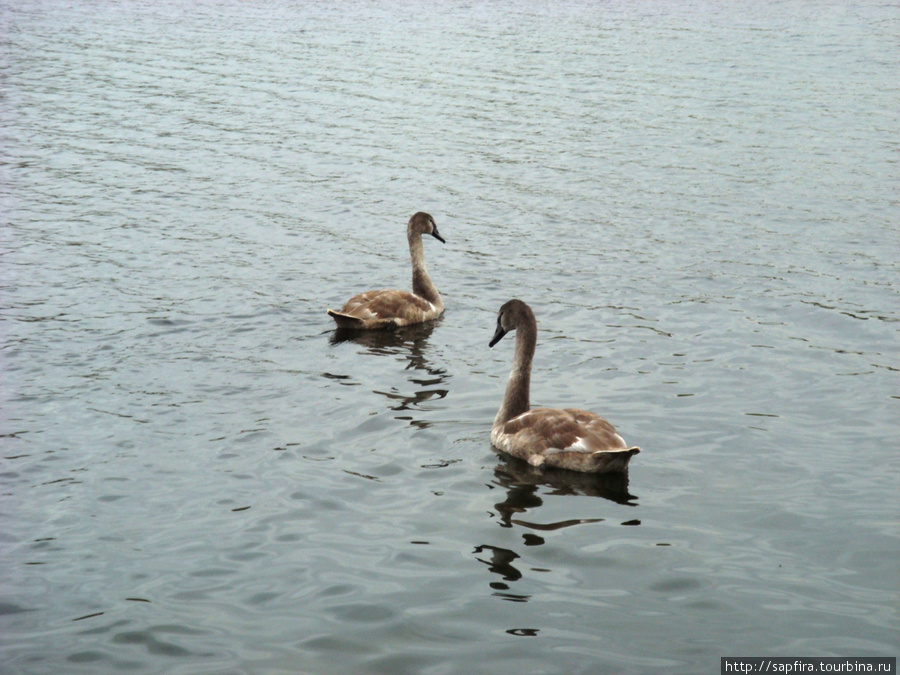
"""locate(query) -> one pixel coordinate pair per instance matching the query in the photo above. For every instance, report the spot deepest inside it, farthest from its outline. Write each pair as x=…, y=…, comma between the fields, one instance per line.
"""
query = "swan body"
x=384, y=309
x=546, y=437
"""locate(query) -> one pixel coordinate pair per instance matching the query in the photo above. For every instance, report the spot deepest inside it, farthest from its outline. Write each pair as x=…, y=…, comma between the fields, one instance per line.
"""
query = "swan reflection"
x=525, y=486
x=522, y=482
x=409, y=343
x=499, y=561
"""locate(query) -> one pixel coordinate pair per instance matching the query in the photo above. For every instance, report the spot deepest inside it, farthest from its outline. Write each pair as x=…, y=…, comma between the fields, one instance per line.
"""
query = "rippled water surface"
x=198, y=475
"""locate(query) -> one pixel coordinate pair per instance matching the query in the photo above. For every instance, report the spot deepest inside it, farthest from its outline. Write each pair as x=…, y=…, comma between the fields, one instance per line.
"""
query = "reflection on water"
x=524, y=485
x=499, y=562
x=388, y=341
x=194, y=464
x=412, y=344
x=522, y=482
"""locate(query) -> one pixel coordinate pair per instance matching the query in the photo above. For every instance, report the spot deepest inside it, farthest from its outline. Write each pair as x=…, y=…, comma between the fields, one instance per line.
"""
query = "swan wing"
x=385, y=308
x=571, y=439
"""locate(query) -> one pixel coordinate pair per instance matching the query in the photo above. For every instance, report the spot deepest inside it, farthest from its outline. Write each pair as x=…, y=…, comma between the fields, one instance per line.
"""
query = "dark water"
x=198, y=475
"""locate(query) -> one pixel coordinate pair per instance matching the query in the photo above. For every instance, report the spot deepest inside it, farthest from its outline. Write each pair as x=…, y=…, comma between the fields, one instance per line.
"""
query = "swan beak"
x=437, y=235
x=498, y=335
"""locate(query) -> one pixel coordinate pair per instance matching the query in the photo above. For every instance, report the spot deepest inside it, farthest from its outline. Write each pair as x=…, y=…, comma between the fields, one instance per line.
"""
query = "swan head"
x=422, y=223
x=511, y=315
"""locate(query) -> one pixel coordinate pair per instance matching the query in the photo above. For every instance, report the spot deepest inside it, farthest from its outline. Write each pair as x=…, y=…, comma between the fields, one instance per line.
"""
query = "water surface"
x=199, y=475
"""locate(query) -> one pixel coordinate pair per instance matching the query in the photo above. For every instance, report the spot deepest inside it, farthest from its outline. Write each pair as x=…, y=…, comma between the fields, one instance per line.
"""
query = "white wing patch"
x=578, y=445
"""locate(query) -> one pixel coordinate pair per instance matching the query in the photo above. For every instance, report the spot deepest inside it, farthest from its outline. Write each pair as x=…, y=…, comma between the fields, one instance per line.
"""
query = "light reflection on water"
x=199, y=474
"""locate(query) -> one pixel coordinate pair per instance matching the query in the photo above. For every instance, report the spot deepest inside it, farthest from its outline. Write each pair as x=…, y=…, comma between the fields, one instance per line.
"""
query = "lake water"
x=700, y=200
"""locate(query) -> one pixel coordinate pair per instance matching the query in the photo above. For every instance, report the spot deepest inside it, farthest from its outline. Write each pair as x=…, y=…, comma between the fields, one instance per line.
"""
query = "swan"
x=390, y=308
x=545, y=437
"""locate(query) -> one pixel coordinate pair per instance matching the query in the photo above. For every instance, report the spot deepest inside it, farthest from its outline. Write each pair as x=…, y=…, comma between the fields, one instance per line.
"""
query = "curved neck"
x=421, y=282
x=516, y=400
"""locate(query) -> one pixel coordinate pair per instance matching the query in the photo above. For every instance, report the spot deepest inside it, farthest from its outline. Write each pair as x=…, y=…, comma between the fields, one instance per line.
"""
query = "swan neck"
x=518, y=389
x=421, y=282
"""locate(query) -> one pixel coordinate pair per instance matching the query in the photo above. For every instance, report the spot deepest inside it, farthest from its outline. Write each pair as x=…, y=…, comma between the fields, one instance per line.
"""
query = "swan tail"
x=606, y=461
x=351, y=322
x=345, y=320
